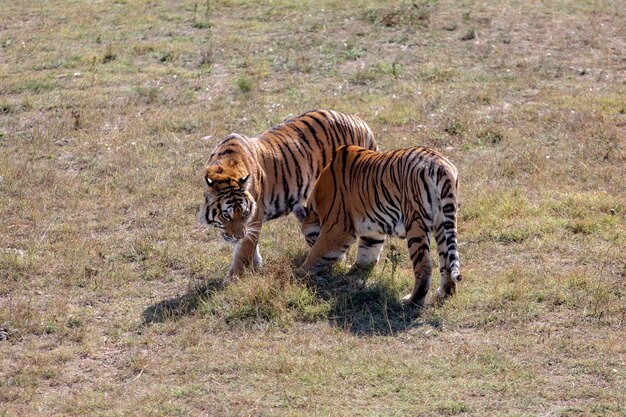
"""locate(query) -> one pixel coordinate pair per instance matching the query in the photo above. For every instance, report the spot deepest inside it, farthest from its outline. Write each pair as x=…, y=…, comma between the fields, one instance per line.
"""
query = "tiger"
x=406, y=193
x=251, y=180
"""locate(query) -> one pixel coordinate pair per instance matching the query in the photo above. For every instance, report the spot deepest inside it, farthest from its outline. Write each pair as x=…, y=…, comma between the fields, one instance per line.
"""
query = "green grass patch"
x=275, y=299
x=32, y=86
x=403, y=14
x=244, y=84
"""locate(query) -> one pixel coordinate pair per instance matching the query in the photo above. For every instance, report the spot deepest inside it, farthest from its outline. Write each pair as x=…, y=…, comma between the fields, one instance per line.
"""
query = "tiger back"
x=408, y=193
x=248, y=181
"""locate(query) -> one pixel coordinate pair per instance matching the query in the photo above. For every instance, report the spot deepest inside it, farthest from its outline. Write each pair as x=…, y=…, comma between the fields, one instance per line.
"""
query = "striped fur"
x=248, y=181
x=407, y=193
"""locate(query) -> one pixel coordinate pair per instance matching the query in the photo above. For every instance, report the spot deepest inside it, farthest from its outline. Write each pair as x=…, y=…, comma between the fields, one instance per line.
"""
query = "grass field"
x=109, y=296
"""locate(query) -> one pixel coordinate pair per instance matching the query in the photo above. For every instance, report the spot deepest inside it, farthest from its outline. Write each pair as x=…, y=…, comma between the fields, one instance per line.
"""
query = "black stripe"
x=370, y=241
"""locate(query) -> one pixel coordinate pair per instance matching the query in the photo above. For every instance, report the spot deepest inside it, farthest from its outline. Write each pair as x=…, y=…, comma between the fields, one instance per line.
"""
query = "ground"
x=109, y=295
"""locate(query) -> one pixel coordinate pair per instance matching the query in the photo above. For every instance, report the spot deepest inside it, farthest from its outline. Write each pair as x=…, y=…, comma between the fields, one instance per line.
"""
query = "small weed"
x=394, y=70
x=6, y=108
x=300, y=63
x=469, y=35
x=451, y=408
x=149, y=94
x=377, y=72
x=206, y=23
x=202, y=25
x=453, y=127
x=438, y=74
x=414, y=14
x=493, y=137
x=244, y=84
x=366, y=76
x=50, y=328
x=206, y=58
x=582, y=226
x=93, y=69
x=77, y=120
x=109, y=55
x=353, y=54
x=73, y=322
x=181, y=126
x=394, y=259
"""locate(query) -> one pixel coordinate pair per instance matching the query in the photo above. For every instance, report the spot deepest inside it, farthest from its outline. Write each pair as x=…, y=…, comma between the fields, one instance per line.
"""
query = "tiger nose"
x=239, y=235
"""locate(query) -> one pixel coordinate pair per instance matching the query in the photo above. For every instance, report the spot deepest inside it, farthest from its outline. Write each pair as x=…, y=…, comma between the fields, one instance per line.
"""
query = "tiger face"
x=309, y=223
x=228, y=206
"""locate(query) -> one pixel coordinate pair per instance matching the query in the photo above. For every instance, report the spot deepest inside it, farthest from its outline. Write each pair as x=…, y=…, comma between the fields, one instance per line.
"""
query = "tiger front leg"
x=245, y=255
x=328, y=248
x=418, y=242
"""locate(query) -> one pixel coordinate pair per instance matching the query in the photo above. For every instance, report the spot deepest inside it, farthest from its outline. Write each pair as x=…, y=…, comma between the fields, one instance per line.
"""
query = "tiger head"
x=309, y=222
x=228, y=204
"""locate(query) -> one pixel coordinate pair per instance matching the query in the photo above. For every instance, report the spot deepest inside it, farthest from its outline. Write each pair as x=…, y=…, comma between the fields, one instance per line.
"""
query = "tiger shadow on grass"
x=183, y=305
x=367, y=309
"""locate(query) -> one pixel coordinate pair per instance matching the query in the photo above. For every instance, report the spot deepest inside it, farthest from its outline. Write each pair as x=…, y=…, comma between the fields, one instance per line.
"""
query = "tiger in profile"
x=248, y=181
x=406, y=193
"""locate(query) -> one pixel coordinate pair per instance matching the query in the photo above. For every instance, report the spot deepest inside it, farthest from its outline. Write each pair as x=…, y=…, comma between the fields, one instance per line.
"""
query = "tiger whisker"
x=251, y=235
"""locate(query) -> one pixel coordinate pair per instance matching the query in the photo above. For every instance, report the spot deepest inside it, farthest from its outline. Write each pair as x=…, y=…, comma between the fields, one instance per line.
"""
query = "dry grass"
x=109, y=300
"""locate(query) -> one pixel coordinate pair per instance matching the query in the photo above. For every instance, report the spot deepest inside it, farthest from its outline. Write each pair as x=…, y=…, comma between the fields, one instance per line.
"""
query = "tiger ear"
x=300, y=211
x=244, y=182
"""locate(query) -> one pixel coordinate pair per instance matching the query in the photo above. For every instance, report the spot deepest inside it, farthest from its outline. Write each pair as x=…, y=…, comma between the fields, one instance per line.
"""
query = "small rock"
x=4, y=335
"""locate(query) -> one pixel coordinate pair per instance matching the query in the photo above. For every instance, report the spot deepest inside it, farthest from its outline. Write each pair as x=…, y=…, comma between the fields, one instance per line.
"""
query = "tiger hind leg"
x=328, y=248
x=447, y=286
x=418, y=242
x=448, y=249
x=369, y=251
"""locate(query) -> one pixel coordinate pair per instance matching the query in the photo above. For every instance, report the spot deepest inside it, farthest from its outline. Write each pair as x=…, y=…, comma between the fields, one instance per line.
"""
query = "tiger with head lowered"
x=248, y=181
x=406, y=193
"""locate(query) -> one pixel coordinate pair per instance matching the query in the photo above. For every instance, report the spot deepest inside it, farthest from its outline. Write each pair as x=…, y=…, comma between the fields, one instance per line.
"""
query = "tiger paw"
x=361, y=269
x=301, y=272
x=228, y=280
x=446, y=290
x=408, y=301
